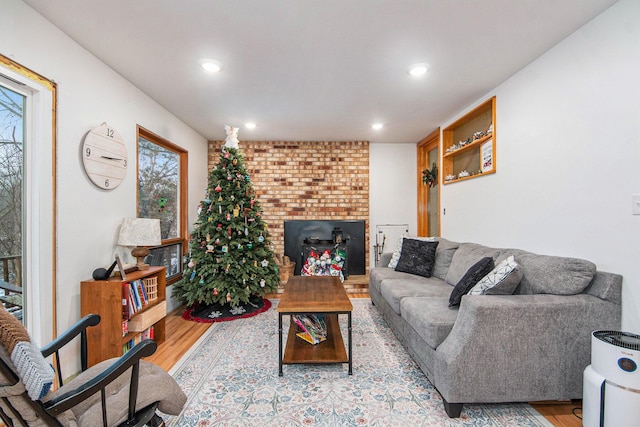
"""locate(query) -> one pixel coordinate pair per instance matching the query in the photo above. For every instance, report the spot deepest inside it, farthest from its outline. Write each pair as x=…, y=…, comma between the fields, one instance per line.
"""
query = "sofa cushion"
x=430, y=317
x=469, y=280
x=444, y=254
x=467, y=255
x=394, y=290
x=544, y=274
x=502, y=280
x=417, y=257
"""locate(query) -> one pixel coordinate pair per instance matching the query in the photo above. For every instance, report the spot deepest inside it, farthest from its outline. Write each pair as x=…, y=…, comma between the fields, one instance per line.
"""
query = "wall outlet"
x=635, y=207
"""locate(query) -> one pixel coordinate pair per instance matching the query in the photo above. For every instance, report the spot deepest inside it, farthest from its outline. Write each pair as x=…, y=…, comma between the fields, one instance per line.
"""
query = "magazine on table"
x=311, y=327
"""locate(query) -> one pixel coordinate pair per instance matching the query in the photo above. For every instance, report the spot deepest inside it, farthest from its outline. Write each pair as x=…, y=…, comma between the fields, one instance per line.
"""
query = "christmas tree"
x=230, y=254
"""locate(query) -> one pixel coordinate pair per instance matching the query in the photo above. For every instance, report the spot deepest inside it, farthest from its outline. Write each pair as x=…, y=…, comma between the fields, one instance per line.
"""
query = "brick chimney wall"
x=306, y=180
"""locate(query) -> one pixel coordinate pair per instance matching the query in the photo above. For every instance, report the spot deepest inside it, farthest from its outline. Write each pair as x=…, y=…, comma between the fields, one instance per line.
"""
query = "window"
x=162, y=194
x=12, y=121
x=28, y=194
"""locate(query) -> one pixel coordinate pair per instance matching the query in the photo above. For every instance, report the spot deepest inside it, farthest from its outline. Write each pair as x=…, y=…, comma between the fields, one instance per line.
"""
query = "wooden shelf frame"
x=470, y=155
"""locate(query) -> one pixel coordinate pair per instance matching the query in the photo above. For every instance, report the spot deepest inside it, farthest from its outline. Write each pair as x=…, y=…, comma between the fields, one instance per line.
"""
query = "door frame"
x=423, y=147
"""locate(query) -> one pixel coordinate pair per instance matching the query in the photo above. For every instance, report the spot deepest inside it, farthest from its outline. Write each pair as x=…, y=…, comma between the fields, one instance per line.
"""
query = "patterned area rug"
x=231, y=379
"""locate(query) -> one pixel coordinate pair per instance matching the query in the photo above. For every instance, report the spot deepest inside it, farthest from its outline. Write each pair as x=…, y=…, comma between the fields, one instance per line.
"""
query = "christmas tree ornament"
x=236, y=211
x=207, y=200
x=228, y=297
x=215, y=292
x=228, y=217
x=219, y=227
x=199, y=209
x=229, y=178
x=193, y=274
x=217, y=242
x=226, y=269
x=220, y=198
x=201, y=280
x=262, y=283
x=233, y=198
x=239, y=232
x=218, y=189
x=225, y=249
x=250, y=245
x=235, y=162
x=191, y=264
x=261, y=238
x=264, y=263
x=210, y=248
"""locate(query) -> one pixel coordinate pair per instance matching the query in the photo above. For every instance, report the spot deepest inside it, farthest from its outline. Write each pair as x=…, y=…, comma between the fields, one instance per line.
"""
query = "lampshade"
x=140, y=232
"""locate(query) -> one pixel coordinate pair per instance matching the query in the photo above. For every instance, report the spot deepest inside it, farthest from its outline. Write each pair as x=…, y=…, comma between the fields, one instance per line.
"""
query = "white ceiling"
x=318, y=69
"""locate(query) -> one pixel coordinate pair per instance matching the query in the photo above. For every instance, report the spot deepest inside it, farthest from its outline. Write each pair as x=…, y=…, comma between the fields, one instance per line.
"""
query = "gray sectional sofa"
x=530, y=346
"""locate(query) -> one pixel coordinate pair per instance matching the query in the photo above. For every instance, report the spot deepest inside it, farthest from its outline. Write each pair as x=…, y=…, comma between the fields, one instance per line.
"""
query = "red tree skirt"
x=224, y=313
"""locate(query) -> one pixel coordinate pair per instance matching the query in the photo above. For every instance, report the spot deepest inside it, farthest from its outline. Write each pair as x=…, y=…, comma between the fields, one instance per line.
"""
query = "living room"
x=566, y=134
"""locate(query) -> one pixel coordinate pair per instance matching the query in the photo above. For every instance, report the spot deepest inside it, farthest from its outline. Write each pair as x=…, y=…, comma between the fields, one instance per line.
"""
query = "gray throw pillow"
x=469, y=280
x=417, y=257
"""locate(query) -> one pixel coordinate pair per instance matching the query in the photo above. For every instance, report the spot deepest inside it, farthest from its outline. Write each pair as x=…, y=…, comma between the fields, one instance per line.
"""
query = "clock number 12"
x=110, y=133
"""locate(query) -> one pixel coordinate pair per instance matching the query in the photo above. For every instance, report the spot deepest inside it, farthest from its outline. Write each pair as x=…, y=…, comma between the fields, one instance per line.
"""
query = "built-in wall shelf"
x=469, y=144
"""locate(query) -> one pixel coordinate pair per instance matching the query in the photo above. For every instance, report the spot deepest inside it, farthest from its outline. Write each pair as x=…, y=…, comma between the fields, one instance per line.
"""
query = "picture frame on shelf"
x=121, y=269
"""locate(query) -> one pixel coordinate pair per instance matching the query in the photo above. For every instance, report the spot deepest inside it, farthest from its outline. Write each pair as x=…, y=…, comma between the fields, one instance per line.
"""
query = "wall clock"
x=104, y=157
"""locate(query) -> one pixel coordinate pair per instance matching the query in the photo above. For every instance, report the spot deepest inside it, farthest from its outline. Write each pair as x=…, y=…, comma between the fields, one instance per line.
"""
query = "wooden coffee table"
x=317, y=295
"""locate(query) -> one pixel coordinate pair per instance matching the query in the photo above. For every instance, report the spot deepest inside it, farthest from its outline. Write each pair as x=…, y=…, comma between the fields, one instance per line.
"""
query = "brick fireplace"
x=307, y=180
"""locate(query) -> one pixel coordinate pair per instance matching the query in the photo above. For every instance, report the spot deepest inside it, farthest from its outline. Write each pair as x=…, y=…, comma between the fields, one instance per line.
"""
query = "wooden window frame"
x=183, y=154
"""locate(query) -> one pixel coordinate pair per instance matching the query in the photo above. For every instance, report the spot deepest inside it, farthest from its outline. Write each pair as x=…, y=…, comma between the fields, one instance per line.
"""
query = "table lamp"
x=141, y=233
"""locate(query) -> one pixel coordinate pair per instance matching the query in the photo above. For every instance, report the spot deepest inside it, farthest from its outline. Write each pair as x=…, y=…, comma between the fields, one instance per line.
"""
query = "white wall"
x=392, y=188
x=568, y=156
x=90, y=93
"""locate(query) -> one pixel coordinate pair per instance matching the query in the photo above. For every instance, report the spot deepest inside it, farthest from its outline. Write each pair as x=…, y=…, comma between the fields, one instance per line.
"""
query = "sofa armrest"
x=520, y=347
x=384, y=260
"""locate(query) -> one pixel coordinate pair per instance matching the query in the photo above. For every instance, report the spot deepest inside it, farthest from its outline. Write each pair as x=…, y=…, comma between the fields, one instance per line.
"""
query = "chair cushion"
x=469, y=280
x=155, y=385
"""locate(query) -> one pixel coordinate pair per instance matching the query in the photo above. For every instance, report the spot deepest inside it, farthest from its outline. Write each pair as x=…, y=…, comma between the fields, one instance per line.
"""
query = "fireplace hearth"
x=299, y=235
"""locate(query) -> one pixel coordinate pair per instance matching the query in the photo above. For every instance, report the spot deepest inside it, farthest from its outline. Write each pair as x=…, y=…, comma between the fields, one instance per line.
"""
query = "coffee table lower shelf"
x=332, y=350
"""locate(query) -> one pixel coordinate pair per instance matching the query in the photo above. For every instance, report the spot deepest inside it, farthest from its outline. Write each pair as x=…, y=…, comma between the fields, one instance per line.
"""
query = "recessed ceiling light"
x=250, y=125
x=418, y=70
x=377, y=126
x=211, y=66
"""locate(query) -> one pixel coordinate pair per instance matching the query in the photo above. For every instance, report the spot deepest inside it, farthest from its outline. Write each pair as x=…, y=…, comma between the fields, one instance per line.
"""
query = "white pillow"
x=502, y=280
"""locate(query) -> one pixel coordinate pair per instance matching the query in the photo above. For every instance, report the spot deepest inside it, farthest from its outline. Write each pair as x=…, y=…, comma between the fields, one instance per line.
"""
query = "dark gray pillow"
x=469, y=280
x=417, y=257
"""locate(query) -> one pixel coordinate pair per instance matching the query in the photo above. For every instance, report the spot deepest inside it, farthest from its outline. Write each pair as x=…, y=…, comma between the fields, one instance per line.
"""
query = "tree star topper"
x=232, y=136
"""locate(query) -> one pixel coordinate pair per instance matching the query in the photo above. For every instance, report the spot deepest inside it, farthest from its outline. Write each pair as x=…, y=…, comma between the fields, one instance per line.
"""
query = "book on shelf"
x=134, y=298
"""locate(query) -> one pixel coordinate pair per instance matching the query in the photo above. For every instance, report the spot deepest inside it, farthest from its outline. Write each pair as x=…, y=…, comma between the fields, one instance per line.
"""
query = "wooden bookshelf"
x=104, y=297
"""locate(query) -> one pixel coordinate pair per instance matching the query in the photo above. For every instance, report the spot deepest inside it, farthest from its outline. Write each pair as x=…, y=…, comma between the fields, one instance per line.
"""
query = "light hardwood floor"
x=182, y=334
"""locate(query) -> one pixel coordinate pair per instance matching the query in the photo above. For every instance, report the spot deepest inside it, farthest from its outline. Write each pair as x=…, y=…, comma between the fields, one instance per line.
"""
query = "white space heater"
x=611, y=390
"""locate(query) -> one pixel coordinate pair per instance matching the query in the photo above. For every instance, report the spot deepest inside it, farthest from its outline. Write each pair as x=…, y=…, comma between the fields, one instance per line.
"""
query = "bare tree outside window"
x=12, y=108
x=158, y=186
x=162, y=169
